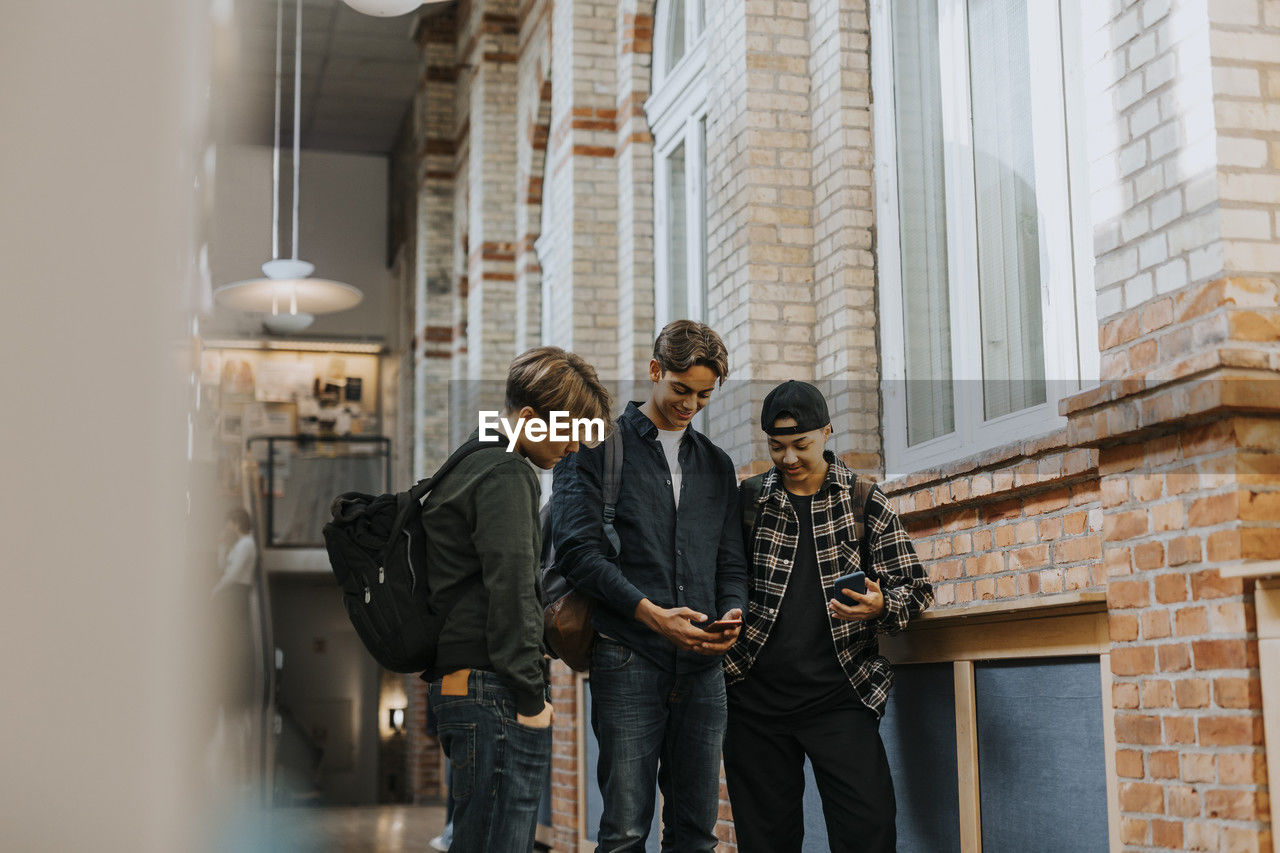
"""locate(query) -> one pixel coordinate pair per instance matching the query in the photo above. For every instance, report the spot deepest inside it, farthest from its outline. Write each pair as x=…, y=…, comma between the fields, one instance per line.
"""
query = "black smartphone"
x=856, y=581
x=718, y=625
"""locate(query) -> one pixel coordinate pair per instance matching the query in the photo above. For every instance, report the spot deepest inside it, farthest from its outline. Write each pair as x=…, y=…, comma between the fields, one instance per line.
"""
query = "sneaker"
x=438, y=843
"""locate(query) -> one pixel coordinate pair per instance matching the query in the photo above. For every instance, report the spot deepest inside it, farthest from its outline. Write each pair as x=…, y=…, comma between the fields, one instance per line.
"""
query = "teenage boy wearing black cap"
x=806, y=677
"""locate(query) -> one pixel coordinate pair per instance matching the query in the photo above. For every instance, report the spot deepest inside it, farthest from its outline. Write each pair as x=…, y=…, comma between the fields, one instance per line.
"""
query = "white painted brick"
x=1139, y=289
x=1145, y=117
x=1110, y=302
x=1235, y=12
x=1206, y=263
x=1154, y=250
x=1201, y=191
x=1243, y=256
x=1237, y=82
x=1163, y=140
x=1125, y=27
x=1263, y=188
x=1142, y=51
x=1153, y=11
x=1135, y=223
x=1148, y=182
x=1243, y=45
x=1159, y=72
x=1165, y=209
x=1127, y=92
x=1246, y=153
x=1171, y=276
x=1117, y=267
x=1246, y=224
x=1133, y=157
x=1252, y=116
x=1192, y=233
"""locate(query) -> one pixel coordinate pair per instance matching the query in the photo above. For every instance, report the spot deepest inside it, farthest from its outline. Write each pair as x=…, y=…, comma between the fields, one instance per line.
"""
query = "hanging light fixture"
x=288, y=295
x=389, y=8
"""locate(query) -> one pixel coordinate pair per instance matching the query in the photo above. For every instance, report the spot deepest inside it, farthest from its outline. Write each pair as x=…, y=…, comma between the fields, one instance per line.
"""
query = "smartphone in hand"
x=856, y=581
x=716, y=626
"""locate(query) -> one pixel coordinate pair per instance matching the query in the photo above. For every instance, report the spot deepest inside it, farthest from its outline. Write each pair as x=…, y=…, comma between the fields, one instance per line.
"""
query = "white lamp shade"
x=387, y=8
x=313, y=295
x=287, y=324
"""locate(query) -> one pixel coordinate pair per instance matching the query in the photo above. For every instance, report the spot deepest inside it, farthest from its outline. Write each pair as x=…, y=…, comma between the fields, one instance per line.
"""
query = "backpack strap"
x=862, y=492
x=422, y=488
x=751, y=489
x=612, y=485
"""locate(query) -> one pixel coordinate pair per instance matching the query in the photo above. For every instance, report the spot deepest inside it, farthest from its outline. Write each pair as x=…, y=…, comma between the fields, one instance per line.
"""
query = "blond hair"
x=549, y=379
x=684, y=343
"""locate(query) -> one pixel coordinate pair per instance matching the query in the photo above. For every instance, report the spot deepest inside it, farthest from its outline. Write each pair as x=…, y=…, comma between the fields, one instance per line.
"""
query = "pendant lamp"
x=288, y=295
x=389, y=8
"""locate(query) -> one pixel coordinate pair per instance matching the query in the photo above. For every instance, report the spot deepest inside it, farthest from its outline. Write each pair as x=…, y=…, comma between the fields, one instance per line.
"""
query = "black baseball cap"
x=798, y=400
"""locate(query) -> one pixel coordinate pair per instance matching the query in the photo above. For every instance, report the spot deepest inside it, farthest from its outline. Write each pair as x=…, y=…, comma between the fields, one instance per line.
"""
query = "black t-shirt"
x=797, y=670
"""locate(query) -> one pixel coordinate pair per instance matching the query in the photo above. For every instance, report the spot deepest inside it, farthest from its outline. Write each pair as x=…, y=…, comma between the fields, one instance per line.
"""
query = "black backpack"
x=377, y=550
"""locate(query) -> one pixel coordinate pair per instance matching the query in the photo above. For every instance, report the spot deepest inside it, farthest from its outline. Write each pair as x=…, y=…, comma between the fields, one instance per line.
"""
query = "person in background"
x=807, y=678
x=657, y=684
x=241, y=558
x=488, y=688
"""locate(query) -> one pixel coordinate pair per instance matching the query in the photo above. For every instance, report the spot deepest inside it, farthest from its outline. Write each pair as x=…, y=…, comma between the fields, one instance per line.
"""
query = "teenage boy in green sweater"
x=489, y=686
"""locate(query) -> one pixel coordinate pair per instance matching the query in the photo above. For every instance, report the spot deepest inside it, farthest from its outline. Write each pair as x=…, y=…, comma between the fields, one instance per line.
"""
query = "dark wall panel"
x=1041, y=755
x=919, y=734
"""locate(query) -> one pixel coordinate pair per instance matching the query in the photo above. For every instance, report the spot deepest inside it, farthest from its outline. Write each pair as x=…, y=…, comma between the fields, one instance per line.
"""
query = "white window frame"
x=676, y=111
x=1070, y=352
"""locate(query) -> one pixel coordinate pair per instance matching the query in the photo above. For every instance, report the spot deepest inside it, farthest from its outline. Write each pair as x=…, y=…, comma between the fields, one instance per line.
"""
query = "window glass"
x=1007, y=219
x=675, y=34
x=701, y=190
x=922, y=217
x=677, y=236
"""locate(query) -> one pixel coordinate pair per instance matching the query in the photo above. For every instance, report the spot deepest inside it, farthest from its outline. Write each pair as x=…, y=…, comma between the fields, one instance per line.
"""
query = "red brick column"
x=1189, y=460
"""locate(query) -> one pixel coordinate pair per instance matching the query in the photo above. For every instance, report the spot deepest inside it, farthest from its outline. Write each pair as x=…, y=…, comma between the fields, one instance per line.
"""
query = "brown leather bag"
x=566, y=615
x=567, y=624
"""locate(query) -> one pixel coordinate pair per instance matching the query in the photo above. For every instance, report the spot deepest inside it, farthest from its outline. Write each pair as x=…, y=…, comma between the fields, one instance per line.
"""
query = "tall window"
x=986, y=286
x=677, y=111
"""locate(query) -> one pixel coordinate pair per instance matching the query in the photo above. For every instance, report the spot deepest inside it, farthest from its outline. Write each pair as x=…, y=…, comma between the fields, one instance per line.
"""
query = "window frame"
x=1070, y=352
x=677, y=111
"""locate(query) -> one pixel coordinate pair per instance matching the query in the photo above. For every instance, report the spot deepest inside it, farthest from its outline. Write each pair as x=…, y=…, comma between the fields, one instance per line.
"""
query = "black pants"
x=764, y=766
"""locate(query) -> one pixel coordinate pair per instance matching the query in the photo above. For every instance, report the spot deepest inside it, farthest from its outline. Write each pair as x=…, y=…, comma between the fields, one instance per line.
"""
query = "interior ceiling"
x=359, y=74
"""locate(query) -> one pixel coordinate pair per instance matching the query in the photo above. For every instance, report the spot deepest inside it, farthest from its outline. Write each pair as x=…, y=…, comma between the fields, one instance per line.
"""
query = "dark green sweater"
x=484, y=547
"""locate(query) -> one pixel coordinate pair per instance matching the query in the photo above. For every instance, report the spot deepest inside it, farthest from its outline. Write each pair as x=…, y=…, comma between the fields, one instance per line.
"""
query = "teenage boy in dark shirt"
x=657, y=684
x=489, y=687
x=807, y=679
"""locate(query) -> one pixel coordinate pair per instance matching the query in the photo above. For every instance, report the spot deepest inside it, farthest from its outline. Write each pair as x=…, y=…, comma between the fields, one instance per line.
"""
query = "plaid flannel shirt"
x=895, y=566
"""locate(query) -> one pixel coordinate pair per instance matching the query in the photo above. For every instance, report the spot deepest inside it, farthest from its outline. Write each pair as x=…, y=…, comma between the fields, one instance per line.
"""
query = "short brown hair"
x=548, y=379
x=684, y=343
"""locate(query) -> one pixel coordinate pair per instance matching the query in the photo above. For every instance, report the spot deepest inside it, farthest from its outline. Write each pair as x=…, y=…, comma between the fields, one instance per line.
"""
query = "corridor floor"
x=353, y=829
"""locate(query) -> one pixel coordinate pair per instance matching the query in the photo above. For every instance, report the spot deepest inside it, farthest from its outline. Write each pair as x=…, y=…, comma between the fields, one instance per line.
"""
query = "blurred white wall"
x=102, y=662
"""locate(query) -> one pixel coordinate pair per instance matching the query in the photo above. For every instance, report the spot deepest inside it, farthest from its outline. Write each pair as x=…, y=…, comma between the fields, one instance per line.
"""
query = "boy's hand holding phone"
x=722, y=633
x=852, y=605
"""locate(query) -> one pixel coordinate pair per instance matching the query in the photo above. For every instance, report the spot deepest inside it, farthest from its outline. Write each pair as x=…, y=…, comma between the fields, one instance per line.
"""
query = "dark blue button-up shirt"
x=686, y=557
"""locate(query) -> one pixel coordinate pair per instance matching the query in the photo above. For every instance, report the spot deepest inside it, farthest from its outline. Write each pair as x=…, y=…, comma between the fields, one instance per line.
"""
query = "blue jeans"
x=656, y=726
x=499, y=767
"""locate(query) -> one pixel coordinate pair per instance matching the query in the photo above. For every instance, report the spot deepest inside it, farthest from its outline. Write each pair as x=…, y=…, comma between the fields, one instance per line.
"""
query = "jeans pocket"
x=608, y=656
x=459, y=743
